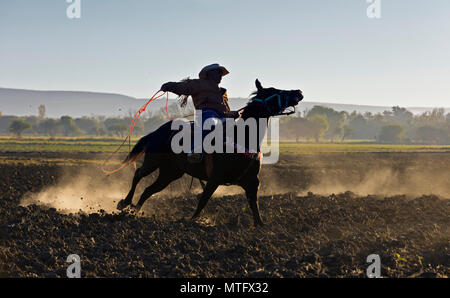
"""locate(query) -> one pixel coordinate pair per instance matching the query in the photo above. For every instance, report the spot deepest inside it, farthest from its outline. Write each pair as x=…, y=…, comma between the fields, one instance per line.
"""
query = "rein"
x=280, y=106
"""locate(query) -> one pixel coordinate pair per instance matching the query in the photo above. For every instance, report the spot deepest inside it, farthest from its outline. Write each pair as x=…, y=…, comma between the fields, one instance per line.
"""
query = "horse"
x=228, y=168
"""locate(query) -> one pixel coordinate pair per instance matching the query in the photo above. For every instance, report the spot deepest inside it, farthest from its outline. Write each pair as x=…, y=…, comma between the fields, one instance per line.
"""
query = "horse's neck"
x=261, y=124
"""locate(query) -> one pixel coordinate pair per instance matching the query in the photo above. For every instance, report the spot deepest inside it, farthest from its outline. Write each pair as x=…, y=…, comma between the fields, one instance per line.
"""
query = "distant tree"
x=347, y=132
x=392, y=134
x=152, y=123
x=41, y=111
x=334, y=118
x=69, y=127
x=300, y=128
x=118, y=129
x=108, y=122
x=88, y=125
x=401, y=115
x=49, y=127
x=175, y=111
x=338, y=132
x=432, y=135
x=434, y=118
x=319, y=125
x=18, y=126
x=34, y=122
x=101, y=131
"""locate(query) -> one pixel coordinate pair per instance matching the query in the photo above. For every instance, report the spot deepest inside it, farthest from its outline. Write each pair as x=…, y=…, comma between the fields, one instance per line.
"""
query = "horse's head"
x=275, y=101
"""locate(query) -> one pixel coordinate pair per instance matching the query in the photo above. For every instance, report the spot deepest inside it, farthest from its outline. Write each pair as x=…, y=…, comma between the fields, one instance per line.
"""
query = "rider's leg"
x=195, y=156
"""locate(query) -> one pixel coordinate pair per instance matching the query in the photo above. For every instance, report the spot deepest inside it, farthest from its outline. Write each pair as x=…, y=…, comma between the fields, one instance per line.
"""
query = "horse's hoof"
x=135, y=208
x=122, y=204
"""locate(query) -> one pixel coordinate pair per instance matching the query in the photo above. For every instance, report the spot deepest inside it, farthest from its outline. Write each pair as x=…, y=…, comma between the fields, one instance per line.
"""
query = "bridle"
x=280, y=106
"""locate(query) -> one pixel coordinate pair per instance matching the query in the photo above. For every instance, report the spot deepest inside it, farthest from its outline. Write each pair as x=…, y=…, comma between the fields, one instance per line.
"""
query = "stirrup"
x=194, y=157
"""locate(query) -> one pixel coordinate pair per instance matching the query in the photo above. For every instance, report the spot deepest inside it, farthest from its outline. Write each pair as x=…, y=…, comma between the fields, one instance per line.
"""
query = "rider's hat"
x=202, y=74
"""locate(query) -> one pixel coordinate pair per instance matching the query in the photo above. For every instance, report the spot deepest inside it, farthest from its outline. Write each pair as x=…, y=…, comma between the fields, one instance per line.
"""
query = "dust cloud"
x=89, y=190
x=84, y=189
x=385, y=182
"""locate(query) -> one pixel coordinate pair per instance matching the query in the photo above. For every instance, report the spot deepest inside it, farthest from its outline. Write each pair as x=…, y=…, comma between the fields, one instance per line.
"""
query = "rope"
x=130, y=130
x=167, y=105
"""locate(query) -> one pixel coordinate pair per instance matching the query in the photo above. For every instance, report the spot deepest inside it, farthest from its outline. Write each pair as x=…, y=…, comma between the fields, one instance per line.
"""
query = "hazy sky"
x=328, y=48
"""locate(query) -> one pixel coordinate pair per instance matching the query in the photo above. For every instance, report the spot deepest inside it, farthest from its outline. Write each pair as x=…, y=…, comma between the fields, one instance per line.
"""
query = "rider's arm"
x=187, y=87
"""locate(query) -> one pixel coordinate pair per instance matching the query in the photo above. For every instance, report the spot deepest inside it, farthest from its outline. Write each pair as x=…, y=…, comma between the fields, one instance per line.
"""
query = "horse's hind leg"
x=165, y=178
x=251, y=190
x=209, y=189
x=151, y=163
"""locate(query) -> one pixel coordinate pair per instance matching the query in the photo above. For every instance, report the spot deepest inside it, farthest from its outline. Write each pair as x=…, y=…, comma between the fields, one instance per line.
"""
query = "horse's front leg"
x=251, y=191
x=151, y=163
x=128, y=199
x=208, y=191
x=165, y=178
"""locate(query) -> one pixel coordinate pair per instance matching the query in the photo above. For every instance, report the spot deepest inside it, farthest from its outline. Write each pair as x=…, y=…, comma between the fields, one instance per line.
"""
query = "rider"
x=207, y=96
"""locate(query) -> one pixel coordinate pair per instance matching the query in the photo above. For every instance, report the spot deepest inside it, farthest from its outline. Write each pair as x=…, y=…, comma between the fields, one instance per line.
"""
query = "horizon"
x=240, y=98
x=332, y=51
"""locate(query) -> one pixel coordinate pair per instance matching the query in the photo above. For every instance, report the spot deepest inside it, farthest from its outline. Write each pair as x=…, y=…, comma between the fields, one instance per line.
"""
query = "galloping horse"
x=228, y=168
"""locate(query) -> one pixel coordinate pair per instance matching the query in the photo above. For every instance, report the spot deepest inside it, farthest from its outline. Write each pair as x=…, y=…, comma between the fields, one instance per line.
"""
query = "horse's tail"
x=138, y=150
x=151, y=143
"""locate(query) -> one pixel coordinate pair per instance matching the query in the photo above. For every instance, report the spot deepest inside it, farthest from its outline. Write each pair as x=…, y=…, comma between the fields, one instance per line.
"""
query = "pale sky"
x=328, y=48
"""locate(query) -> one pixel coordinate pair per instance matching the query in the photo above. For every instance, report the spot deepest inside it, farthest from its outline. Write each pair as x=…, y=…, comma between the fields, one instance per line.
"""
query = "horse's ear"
x=258, y=85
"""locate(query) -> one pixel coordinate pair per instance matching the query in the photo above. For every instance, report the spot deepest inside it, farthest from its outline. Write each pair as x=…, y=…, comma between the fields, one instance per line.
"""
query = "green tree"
x=334, y=119
x=49, y=127
x=69, y=127
x=347, y=132
x=88, y=125
x=432, y=135
x=153, y=122
x=319, y=125
x=392, y=134
x=18, y=126
x=118, y=129
x=300, y=128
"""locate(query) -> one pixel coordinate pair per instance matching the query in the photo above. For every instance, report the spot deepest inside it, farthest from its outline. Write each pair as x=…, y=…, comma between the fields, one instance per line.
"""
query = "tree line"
x=397, y=126
x=83, y=126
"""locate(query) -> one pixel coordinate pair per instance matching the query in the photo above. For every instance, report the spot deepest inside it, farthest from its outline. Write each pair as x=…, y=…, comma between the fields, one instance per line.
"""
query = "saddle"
x=227, y=143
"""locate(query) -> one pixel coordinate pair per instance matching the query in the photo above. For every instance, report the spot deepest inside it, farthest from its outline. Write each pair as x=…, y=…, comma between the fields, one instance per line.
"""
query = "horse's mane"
x=183, y=99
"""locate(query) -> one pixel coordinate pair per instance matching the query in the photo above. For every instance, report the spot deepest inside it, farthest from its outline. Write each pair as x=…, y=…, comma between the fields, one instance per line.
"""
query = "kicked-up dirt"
x=323, y=217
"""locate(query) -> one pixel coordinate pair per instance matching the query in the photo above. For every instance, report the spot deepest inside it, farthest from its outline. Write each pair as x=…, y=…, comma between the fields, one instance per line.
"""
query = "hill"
x=21, y=102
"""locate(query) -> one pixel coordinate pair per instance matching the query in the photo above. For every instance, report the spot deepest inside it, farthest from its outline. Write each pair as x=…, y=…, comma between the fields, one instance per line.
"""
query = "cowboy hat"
x=202, y=74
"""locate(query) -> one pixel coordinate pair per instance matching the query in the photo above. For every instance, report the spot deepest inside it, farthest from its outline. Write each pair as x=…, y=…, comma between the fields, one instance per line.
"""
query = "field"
x=326, y=208
x=29, y=146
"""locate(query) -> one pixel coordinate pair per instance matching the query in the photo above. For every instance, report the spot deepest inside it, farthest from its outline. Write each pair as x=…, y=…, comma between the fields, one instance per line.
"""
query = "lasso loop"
x=131, y=127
